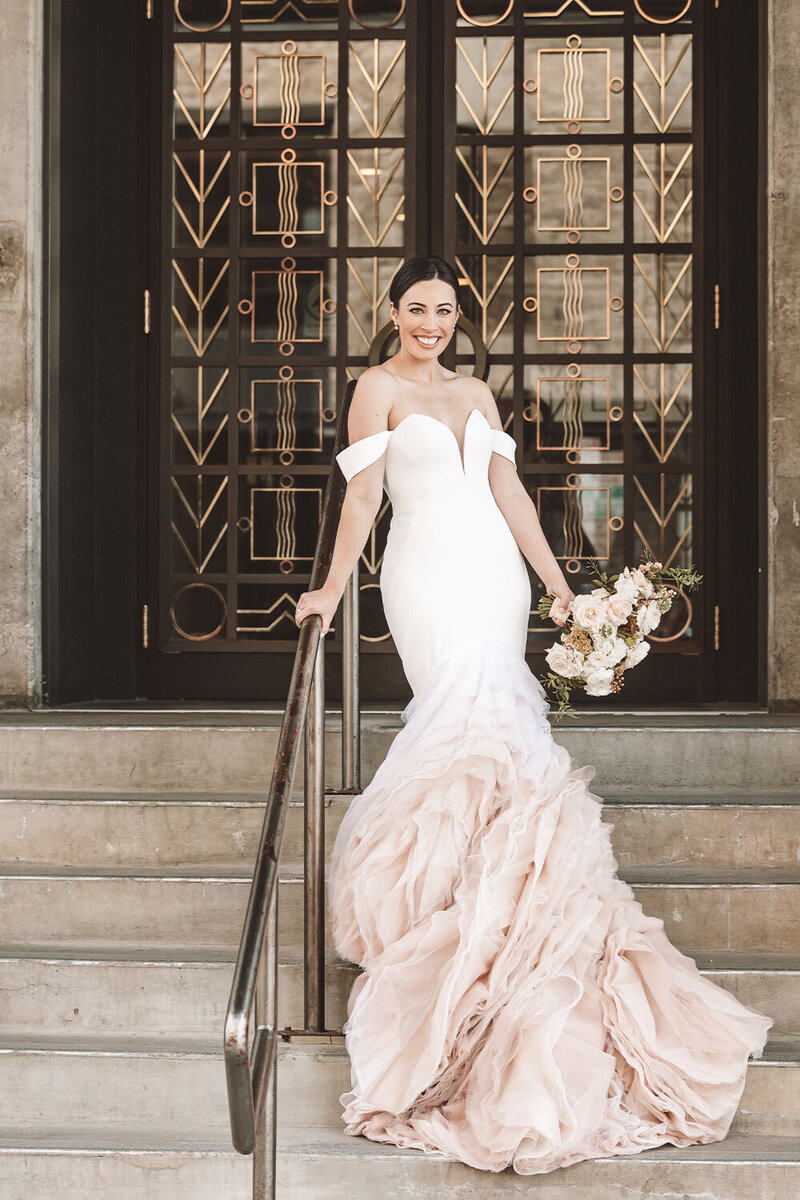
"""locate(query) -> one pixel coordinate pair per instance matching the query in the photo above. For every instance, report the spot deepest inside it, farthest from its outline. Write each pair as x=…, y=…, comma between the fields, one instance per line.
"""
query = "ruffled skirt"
x=516, y=1005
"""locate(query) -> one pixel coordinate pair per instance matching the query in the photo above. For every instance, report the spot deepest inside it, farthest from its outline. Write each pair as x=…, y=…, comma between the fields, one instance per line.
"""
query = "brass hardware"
x=716, y=627
x=148, y=9
x=145, y=626
x=147, y=310
x=716, y=306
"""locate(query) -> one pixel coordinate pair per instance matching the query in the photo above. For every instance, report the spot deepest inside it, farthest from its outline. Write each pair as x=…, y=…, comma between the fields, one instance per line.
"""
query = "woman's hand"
x=320, y=601
x=564, y=596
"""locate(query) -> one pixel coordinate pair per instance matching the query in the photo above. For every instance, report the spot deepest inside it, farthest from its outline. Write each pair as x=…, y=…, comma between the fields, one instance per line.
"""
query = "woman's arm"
x=369, y=413
x=520, y=512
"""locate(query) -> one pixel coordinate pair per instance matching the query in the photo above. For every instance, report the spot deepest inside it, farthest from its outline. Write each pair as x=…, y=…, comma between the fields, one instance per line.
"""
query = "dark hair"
x=422, y=266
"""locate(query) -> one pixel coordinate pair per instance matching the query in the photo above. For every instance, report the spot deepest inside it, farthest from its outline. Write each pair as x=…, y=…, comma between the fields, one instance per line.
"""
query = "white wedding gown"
x=516, y=1005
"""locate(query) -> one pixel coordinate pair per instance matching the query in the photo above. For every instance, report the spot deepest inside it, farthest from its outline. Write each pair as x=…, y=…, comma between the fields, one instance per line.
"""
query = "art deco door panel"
x=562, y=155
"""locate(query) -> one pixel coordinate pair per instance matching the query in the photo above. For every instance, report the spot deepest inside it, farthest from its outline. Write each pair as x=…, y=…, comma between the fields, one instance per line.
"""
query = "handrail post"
x=314, y=849
x=351, y=684
x=266, y=1015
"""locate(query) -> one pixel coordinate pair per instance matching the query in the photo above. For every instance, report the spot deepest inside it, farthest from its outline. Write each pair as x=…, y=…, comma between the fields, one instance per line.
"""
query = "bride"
x=516, y=1006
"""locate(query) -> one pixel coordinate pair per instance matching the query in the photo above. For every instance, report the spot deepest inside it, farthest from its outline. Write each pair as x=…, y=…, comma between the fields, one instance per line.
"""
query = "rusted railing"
x=251, y=1032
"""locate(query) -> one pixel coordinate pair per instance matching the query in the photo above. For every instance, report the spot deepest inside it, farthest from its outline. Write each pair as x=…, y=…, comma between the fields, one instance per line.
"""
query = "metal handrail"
x=250, y=1065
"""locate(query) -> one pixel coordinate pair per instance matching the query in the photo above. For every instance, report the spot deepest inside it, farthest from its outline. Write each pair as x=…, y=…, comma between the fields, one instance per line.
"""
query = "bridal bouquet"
x=606, y=630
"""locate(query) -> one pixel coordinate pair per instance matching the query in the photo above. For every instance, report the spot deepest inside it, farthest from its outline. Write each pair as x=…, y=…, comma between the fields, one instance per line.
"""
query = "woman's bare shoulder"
x=371, y=403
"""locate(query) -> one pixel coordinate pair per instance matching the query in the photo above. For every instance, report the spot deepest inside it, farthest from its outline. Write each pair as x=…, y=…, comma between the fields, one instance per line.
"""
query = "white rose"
x=643, y=583
x=599, y=591
x=636, y=654
x=625, y=586
x=565, y=660
x=607, y=653
x=598, y=683
x=619, y=608
x=588, y=612
x=648, y=616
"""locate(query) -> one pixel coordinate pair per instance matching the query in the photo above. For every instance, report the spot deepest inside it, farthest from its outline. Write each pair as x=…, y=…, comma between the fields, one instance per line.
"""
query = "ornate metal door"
x=560, y=153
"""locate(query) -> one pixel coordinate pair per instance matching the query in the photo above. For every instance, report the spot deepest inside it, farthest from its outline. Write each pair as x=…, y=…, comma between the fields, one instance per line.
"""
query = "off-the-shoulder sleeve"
x=504, y=444
x=360, y=454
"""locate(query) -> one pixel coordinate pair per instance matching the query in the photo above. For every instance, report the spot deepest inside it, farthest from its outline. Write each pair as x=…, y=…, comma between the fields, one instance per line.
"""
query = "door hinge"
x=145, y=626
x=716, y=306
x=716, y=627
x=147, y=310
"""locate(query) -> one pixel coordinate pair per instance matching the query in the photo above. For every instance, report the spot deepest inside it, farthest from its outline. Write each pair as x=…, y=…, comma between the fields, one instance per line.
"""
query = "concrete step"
x=182, y=1090
x=46, y=997
x=198, y=917
x=193, y=833
x=224, y=753
x=326, y=1164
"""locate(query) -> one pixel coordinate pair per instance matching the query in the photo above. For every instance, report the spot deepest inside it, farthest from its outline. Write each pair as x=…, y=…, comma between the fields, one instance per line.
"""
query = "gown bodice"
x=424, y=465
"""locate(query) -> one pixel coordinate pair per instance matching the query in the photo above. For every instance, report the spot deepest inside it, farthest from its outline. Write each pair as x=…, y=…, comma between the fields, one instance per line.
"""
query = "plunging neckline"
x=461, y=452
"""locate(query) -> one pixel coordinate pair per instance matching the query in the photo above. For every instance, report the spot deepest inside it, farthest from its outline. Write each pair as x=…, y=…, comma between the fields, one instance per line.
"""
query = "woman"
x=516, y=1006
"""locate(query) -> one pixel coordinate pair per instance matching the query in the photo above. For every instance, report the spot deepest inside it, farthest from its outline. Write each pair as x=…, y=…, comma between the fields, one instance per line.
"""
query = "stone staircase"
x=126, y=845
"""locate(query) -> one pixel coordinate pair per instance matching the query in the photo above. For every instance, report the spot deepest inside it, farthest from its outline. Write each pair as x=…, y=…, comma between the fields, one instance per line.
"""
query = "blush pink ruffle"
x=516, y=1006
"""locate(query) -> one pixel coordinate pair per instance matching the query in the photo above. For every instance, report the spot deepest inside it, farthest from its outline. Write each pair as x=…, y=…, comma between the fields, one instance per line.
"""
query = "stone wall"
x=21, y=106
x=783, y=353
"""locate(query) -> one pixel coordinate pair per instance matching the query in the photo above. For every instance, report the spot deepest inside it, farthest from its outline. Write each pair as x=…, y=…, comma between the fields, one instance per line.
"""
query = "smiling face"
x=426, y=318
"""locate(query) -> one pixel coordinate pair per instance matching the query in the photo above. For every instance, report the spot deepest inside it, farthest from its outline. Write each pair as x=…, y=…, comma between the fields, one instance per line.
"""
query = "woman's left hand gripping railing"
x=251, y=1063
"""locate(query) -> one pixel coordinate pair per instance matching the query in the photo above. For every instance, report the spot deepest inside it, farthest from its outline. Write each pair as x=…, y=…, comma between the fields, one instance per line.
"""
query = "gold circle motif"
x=616, y=523
x=573, y=347
x=288, y=240
x=197, y=637
x=616, y=303
x=328, y=414
x=663, y=20
x=616, y=194
x=289, y=47
x=243, y=524
x=529, y=86
x=245, y=307
x=286, y=348
x=286, y=567
x=288, y=155
x=573, y=236
x=573, y=151
x=616, y=85
x=573, y=126
x=689, y=610
x=383, y=25
x=530, y=304
x=286, y=372
x=530, y=194
x=615, y=412
x=329, y=197
x=574, y=41
x=484, y=24
x=286, y=481
x=245, y=415
x=202, y=28
x=286, y=458
x=573, y=481
x=573, y=370
x=245, y=199
x=288, y=131
x=246, y=91
x=572, y=565
x=573, y=261
x=331, y=90
x=288, y=264
x=529, y=413
x=573, y=456
x=328, y=306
